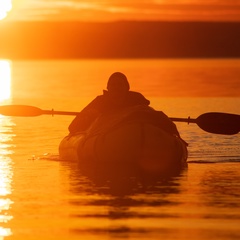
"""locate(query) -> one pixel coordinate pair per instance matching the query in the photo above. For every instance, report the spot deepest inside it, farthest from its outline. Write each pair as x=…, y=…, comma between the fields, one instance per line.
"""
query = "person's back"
x=117, y=96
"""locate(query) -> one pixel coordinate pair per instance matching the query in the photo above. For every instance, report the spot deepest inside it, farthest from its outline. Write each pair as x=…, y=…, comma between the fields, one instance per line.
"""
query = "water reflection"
x=6, y=173
x=221, y=187
x=119, y=207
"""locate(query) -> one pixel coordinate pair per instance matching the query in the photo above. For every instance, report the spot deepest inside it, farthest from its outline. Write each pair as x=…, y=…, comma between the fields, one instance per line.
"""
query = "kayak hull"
x=133, y=146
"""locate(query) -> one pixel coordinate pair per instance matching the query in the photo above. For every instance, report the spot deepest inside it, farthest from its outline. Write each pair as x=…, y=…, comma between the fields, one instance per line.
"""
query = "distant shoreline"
x=121, y=39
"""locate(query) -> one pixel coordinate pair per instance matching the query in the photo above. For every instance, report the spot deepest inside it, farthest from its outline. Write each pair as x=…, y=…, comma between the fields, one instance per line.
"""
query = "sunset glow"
x=112, y=10
x=5, y=80
x=5, y=7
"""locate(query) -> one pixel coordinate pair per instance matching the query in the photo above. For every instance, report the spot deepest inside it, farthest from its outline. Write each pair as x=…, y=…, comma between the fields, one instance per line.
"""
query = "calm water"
x=43, y=198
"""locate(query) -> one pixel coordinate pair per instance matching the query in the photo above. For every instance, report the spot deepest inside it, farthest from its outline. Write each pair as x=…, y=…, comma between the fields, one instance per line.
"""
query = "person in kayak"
x=117, y=96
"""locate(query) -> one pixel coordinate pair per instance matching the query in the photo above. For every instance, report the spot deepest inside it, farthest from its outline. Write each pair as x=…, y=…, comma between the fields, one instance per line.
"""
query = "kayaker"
x=117, y=96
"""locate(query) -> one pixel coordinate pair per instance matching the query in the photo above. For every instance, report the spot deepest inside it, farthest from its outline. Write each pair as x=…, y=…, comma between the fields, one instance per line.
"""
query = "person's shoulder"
x=133, y=93
x=138, y=97
x=136, y=94
x=100, y=97
x=96, y=100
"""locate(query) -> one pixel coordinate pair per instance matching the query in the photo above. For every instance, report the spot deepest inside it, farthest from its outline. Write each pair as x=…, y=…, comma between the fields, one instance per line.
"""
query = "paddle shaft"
x=31, y=111
x=188, y=120
x=53, y=112
x=212, y=122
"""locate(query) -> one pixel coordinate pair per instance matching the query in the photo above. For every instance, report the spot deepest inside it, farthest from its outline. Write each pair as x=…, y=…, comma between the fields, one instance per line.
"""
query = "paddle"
x=29, y=111
x=215, y=122
x=212, y=122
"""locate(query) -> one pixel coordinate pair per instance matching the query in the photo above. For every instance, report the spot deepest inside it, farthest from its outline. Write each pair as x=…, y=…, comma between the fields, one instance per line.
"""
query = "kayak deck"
x=133, y=144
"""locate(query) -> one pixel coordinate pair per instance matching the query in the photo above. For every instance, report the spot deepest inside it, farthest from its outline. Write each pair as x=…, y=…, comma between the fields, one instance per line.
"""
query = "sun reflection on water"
x=4, y=232
x=6, y=174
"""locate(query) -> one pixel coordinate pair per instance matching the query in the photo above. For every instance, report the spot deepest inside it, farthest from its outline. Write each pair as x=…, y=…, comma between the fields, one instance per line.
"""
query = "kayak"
x=131, y=140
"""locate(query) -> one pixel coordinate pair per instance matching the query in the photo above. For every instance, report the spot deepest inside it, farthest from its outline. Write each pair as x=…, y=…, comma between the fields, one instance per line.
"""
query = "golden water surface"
x=43, y=198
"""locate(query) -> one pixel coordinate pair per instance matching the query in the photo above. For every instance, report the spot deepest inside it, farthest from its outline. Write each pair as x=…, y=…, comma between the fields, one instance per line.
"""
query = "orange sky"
x=109, y=10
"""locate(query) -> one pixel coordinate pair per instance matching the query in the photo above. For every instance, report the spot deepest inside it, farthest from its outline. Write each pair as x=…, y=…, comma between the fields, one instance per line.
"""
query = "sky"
x=114, y=10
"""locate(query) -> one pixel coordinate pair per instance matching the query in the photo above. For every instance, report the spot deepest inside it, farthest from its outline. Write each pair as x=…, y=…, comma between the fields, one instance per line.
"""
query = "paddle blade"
x=20, y=111
x=219, y=123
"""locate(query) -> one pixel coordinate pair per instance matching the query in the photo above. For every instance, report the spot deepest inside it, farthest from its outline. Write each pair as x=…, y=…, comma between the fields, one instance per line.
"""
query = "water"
x=43, y=198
